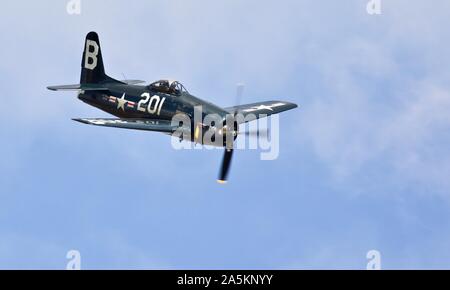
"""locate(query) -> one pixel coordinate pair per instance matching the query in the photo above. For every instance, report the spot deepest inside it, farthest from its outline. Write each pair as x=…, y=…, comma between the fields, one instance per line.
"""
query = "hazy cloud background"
x=364, y=162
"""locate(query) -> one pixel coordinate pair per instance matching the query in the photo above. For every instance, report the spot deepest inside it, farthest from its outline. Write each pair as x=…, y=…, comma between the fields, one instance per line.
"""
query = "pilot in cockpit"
x=161, y=86
x=168, y=87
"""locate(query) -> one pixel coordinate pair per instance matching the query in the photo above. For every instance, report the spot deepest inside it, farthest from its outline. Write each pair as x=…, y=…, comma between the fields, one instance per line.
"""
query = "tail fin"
x=92, y=69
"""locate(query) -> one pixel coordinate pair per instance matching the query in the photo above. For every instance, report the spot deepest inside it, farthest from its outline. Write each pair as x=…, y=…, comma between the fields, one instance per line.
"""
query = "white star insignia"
x=264, y=107
x=121, y=103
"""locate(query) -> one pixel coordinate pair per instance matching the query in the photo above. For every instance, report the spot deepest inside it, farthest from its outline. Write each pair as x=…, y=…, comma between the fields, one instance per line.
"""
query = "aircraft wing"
x=262, y=109
x=78, y=87
x=163, y=126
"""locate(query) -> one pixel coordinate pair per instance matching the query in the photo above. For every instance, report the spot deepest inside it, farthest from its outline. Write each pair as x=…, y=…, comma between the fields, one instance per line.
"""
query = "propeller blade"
x=228, y=154
x=225, y=168
x=239, y=93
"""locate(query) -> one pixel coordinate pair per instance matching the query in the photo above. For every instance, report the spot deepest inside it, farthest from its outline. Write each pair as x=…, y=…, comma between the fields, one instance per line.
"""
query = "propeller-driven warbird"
x=153, y=107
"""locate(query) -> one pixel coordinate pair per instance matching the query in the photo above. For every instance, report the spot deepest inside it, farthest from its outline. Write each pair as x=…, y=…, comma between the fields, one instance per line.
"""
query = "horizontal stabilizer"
x=132, y=82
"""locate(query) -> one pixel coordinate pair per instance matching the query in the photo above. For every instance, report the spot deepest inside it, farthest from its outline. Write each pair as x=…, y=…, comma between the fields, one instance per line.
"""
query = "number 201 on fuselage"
x=151, y=105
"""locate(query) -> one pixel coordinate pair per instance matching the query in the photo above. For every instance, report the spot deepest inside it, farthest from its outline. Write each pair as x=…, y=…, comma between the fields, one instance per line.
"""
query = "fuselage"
x=142, y=102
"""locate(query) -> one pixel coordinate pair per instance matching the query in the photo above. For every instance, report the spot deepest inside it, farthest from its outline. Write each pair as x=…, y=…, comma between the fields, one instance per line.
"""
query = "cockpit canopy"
x=168, y=87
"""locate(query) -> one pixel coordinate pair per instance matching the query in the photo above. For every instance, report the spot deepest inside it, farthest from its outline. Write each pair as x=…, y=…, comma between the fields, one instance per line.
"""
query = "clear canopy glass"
x=168, y=87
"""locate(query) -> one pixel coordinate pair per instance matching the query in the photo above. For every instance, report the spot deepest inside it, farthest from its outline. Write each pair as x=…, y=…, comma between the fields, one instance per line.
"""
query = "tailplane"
x=93, y=77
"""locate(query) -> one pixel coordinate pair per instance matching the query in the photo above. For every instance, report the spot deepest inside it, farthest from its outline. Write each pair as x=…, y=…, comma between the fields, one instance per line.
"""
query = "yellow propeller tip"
x=221, y=181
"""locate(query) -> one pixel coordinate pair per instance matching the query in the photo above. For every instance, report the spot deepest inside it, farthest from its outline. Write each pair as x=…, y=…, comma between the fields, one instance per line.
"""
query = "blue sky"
x=364, y=162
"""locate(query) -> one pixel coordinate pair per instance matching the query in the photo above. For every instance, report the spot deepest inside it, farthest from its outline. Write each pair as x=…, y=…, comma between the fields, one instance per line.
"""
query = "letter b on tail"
x=91, y=53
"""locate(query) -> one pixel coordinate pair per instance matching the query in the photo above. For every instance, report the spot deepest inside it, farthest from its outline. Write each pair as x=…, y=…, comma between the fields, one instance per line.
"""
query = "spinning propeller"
x=228, y=154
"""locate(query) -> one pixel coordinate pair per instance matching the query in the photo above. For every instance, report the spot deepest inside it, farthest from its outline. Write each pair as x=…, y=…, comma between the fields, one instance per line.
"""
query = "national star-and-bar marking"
x=121, y=102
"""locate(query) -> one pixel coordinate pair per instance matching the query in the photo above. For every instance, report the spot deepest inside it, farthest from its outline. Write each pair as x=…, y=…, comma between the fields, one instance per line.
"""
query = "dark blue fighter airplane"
x=153, y=107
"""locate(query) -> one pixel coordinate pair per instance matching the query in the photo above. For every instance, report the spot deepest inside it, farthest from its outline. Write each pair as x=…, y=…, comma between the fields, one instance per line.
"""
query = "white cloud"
x=385, y=99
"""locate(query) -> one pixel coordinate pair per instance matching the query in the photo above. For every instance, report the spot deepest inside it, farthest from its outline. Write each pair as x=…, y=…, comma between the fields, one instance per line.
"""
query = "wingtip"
x=290, y=104
x=79, y=120
x=294, y=105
